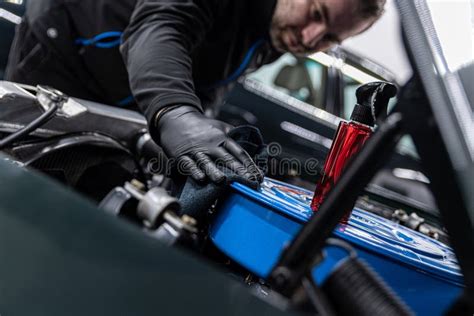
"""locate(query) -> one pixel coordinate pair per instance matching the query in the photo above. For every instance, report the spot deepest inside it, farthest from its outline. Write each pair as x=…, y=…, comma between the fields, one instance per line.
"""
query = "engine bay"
x=106, y=155
x=112, y=145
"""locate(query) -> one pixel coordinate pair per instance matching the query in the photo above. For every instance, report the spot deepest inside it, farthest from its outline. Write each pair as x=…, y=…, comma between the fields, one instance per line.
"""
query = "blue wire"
x=102, y=40
x=127, y=101
x=245, y=64
x=97, y=41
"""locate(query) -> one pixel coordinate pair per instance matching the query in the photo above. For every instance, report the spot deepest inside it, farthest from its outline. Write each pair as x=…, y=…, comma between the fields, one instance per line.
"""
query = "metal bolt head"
x=137, y=184
x=52, y=33
x=189, y=220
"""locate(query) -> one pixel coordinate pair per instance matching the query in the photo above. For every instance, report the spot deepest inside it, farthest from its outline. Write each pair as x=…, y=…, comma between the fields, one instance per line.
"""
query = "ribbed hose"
x=355, y=289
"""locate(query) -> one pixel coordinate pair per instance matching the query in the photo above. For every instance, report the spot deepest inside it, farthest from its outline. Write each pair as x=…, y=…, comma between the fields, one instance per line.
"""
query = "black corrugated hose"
x=355, y=289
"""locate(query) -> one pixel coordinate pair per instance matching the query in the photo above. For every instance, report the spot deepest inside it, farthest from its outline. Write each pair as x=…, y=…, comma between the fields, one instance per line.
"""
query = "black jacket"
x=170, y=52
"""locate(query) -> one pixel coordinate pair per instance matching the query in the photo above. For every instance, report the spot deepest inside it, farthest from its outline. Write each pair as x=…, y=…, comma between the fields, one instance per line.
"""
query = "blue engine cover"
x=252, y=228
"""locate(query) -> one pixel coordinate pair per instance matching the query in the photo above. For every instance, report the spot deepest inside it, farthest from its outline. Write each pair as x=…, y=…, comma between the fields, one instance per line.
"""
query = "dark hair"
x=371, y=8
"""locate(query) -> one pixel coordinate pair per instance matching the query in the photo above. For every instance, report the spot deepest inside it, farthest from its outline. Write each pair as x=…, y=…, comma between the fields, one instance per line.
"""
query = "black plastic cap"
x=372, y=102
x=363, y=114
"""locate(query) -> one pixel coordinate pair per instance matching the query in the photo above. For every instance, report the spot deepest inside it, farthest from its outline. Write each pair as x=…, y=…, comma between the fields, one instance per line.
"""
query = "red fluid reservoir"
x=372, y=102
x=350, y=138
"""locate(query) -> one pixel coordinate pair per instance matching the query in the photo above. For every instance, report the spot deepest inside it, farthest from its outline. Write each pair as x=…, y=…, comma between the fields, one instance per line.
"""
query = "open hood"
x=444, y=66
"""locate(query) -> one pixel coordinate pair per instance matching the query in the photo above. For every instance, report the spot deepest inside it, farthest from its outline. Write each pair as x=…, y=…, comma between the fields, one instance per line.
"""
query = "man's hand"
x=199, y=145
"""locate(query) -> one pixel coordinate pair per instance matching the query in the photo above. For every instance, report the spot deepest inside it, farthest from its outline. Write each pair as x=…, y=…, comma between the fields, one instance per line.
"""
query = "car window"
x=298, y=77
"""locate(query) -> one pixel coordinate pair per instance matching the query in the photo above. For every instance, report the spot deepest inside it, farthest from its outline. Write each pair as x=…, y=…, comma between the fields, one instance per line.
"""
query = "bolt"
x=189, y=220
x=52, y=33
x=137, y=184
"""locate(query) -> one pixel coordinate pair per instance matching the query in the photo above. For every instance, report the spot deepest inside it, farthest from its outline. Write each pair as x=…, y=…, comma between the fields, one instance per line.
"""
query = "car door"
x=286, y=101
x=297, y=103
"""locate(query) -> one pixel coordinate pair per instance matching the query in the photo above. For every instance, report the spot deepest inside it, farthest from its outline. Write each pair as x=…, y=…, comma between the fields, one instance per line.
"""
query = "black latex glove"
x=198, y=143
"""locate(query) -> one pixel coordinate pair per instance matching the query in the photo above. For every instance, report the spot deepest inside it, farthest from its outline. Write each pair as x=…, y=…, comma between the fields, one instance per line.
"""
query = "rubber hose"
x=30, y=128
x=355, y=289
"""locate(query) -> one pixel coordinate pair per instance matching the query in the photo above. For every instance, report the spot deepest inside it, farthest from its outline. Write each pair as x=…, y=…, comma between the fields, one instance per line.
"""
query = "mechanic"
x=174, y=58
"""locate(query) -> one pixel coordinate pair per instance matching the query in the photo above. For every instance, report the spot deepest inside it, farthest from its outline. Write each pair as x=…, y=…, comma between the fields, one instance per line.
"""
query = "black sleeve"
x=157, y=50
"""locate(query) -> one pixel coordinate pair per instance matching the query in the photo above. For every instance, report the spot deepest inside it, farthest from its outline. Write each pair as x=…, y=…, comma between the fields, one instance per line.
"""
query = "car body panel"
x=63, y=256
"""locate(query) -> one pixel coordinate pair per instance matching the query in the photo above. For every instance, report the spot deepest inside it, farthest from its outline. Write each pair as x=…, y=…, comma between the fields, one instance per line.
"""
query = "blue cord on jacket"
x=106, y=40
x=103, y=40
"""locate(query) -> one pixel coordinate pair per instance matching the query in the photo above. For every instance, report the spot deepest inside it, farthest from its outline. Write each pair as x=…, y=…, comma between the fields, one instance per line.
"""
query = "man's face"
x=307, y=26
